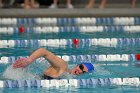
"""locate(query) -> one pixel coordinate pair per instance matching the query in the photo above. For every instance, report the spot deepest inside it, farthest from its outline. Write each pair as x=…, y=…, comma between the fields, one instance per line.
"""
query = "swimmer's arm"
x=55, y=61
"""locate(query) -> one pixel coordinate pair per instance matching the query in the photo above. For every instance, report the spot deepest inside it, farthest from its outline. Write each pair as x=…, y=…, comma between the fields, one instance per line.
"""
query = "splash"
x=18, y=74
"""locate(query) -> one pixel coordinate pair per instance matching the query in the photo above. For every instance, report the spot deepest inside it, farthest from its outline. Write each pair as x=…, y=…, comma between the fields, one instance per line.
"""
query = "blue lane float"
x=80, y=58
x=75, y=83
x=79, y=29
x=72, y=21
x=83, y=43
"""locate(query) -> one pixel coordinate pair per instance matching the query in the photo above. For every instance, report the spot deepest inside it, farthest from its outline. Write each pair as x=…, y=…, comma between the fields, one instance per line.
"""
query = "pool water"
x=75, y=90
x=103, y=69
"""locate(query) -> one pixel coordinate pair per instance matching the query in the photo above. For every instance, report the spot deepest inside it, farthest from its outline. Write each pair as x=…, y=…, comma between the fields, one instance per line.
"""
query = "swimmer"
x=57, y=65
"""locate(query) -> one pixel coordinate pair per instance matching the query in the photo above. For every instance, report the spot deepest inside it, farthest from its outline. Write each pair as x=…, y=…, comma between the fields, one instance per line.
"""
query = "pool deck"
x=63, y=12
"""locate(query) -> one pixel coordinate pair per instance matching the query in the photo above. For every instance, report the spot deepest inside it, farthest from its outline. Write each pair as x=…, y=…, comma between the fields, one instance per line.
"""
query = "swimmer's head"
x=82, y=68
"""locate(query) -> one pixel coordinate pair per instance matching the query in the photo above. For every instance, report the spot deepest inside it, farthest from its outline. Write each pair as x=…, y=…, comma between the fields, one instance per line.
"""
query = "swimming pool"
x=111, y=43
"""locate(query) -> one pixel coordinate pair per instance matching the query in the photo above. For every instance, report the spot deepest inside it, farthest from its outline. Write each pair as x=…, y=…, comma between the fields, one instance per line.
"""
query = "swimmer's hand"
x=22, y=62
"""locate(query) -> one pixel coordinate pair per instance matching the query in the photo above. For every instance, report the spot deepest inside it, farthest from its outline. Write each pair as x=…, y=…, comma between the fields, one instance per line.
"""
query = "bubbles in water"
x=99, y=70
